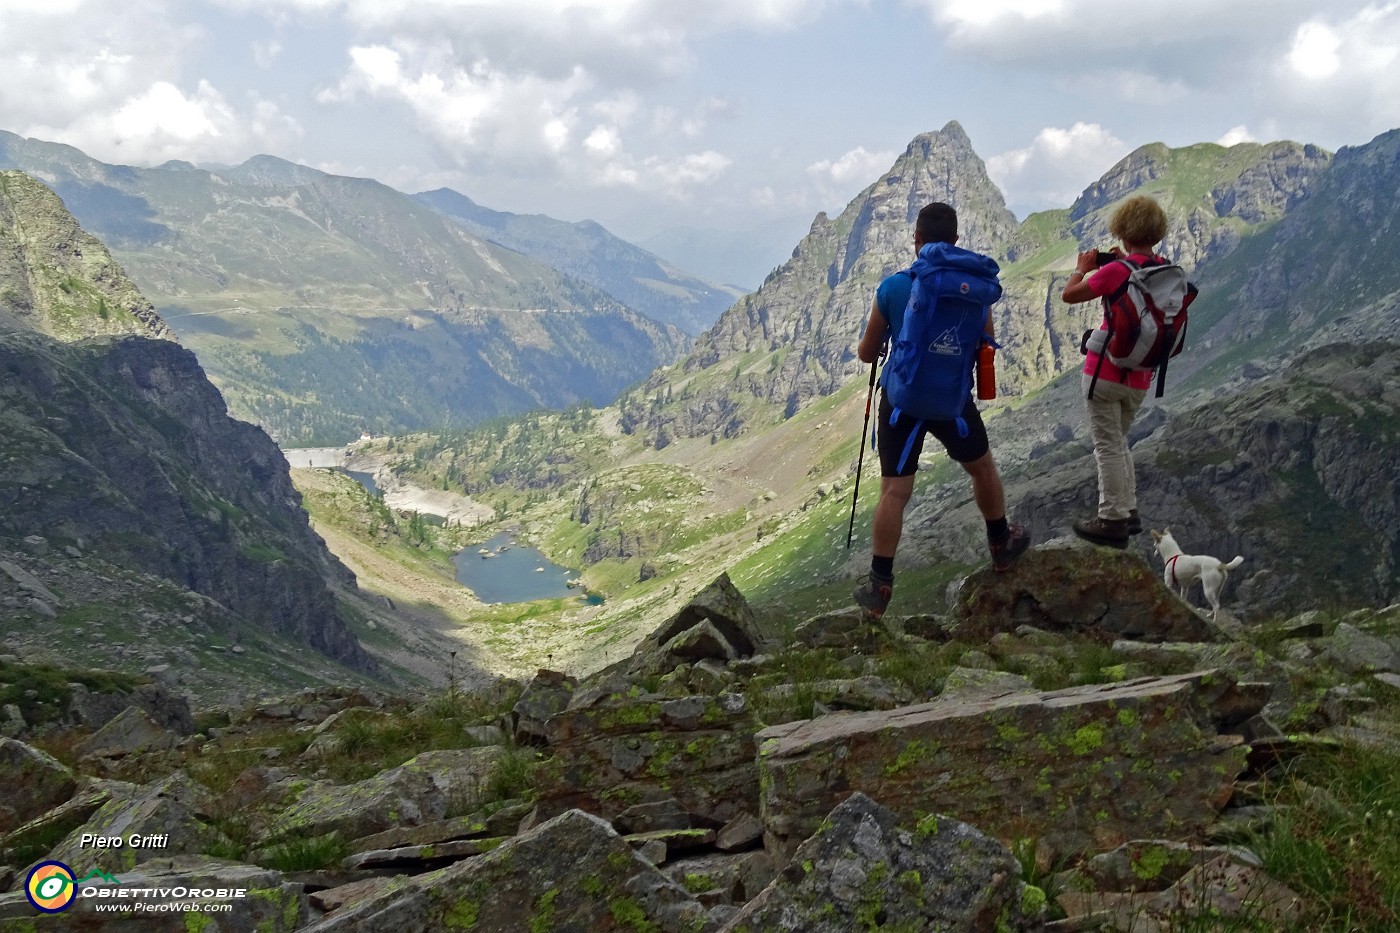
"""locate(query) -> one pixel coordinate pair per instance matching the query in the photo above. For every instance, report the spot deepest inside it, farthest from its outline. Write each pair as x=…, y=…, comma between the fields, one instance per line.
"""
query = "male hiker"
x=900, y=434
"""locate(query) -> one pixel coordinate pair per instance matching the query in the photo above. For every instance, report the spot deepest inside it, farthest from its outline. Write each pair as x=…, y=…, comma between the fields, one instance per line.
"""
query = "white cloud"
x=671, y=178
x=619, y=109
x=980, y=14
x=1341, y=67
x=518, y=122
x=694, y=169
x=1314, y=52
x=116, y=82
x=709, y=16
x=266, y=52
x=479, y=110
x=49, y=8
x=1054, y=168
x=163, y=122
x=603, y=142
x=1235, y=136
x=857, y=166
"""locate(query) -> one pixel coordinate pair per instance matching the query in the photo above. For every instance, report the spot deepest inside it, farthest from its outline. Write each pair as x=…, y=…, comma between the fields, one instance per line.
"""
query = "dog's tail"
x=1232, y=564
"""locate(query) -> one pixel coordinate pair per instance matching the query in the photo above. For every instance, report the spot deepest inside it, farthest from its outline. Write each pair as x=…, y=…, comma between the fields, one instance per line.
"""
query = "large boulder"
x=1356, y=651
x=418, y=791
x=1081, y=770
x=865, y=868
x=35, y=837
x=1085, y=590
x=716, y=624
x=96, y=709
x=131, y=730
x=548, y=693
x=34, y=781
x=571, y=873
x=161, y=819
x=624, y=751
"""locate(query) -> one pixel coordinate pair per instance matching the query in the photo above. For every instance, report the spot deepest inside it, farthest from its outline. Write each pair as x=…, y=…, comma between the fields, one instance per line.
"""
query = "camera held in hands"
x=1101, y=257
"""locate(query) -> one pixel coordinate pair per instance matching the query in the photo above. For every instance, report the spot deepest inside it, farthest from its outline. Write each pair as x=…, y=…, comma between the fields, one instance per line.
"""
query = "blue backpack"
x=929, y=372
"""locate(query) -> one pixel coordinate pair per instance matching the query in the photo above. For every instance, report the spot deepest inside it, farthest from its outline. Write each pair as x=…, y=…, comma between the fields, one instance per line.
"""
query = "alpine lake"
x=500, y=570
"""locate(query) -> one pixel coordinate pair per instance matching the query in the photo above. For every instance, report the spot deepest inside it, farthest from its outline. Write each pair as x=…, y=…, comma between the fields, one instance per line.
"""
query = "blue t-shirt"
x=892, y=297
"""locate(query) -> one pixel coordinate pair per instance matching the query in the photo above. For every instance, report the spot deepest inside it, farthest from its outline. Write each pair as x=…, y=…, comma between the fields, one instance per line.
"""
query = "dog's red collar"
x=1171, y=567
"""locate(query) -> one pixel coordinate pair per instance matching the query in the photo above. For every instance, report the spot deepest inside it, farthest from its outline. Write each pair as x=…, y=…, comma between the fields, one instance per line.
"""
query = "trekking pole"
x=860, y=461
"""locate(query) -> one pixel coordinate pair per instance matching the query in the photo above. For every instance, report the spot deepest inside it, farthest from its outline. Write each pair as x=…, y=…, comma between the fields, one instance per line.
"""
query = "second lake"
x=512, y=573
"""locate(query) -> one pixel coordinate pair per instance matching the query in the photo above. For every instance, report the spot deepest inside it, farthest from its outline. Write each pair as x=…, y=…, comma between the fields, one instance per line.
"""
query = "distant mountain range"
x=324, y=305
x=591, y=254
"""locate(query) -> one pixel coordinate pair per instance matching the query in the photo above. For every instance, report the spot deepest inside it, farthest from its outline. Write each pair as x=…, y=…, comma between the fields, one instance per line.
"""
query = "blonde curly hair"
x=1139, y=221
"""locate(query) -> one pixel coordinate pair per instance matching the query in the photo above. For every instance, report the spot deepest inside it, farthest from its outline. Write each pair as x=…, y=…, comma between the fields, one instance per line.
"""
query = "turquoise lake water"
x=513, y=573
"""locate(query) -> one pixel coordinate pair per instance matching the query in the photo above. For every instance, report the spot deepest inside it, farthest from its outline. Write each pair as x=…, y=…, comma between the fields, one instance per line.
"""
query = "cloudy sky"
x=649, y=116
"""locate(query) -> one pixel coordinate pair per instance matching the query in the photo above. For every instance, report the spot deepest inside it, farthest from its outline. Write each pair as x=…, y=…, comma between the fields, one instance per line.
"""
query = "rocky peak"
x=1208, y=191
x=57, y=279
x=1141, y=166
x=813, y=307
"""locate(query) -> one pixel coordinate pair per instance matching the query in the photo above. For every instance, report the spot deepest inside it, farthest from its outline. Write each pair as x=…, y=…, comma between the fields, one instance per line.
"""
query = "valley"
x=265, y=658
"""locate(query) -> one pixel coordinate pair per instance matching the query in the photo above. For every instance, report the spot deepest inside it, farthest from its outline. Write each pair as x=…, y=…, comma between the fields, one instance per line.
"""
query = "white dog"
x=1182, y=570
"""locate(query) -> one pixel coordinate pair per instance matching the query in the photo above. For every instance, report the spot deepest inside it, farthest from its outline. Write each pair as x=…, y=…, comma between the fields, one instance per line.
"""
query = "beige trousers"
x=1110, y=412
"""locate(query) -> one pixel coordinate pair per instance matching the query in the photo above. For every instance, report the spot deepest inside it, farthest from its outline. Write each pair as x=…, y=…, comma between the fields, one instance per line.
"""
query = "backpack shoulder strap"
x=1122, y=290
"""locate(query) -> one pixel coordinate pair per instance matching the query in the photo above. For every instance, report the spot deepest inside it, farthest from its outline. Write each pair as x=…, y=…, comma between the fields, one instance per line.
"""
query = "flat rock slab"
x=571, y=873
x=167, y=818
x=1081, y=770
x=421, y=858
x=35, y=782
x=623, y=752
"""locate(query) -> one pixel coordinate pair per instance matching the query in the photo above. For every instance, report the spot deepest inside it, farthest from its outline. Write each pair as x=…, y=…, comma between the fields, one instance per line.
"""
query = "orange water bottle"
x=986, y=372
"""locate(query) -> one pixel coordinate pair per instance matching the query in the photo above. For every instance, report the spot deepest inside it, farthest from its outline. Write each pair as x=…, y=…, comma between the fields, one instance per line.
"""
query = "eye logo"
x=50, y=887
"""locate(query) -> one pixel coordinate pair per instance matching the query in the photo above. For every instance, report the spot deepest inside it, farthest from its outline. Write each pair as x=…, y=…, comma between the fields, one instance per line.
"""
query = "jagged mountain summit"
x=792, y=341
x=324, y=305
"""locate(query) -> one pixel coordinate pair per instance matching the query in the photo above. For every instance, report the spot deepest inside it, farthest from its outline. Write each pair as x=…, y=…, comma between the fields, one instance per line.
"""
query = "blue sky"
x=744, y=117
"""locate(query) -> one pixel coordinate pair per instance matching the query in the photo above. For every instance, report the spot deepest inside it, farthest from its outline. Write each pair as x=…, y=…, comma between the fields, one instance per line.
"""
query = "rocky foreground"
x=910, y=776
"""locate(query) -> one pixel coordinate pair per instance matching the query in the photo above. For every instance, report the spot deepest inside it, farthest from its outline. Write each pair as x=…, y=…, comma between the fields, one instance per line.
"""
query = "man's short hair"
x=937, y=223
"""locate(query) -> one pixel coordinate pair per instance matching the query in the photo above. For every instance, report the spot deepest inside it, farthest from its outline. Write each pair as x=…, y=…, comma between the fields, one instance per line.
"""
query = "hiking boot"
x=1111, y=532
x=873, y=596
x=1134, y=523
x=1005, y=551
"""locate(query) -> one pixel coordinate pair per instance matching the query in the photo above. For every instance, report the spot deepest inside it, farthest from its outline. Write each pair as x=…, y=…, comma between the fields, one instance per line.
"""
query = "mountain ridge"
x=118, y=448
x=270, y=270
x=588, y=252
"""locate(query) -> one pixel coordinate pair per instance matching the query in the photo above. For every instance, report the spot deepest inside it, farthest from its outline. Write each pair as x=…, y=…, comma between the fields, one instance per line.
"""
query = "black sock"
x=998, y=529
x=882, y=568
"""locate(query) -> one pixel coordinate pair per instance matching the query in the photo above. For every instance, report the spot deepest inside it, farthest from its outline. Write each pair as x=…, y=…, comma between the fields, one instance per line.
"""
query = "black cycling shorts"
x=893, y=440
